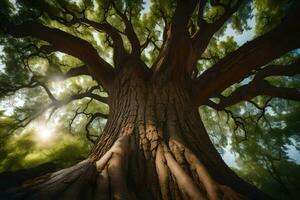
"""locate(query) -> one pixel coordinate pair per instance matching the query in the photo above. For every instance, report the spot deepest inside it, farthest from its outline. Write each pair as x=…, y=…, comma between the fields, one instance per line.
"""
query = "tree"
x=154, y=144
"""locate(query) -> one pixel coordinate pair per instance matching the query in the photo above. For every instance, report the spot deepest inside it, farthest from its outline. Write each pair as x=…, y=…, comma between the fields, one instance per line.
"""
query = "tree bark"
x=154, y=146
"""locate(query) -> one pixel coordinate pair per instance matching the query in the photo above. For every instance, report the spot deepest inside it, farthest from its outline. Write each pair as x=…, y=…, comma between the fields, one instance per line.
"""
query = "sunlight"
x=60, y=55
x=45, y=132
x=57, y=88
x=96, y=38
x=15, y=6
x=10, y=104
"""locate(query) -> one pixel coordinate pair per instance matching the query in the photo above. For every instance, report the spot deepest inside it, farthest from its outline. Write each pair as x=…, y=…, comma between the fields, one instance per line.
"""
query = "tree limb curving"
x=252, y=55
x=67, y=43
x=259, y=86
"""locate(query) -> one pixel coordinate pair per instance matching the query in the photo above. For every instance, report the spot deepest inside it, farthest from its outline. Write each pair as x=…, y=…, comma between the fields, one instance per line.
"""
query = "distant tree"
x=154, y=71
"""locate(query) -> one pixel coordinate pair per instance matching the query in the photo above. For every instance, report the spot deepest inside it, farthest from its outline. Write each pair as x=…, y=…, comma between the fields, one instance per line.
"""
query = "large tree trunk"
x=154, y=146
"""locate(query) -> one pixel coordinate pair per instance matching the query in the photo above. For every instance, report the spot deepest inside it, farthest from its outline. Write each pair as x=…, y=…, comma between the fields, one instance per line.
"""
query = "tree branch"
x=119, y=50
x=278, y=70
x=118, y=46
x=62, y=41
x=81, y=70
x=280, y=92
x=182, y=15
x=6, y=89
x=92, y=117
x=129, y=30
x=203, y=36
x=88, y=93
x=176, y=50
x=55, y=104
x=166, y=23
x=239, y=64
x=259, y=86
x=200, y=21
x=77, y=71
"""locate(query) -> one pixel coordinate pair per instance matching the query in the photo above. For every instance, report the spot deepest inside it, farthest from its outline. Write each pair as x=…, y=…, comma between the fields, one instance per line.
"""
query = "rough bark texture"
x=154, y=146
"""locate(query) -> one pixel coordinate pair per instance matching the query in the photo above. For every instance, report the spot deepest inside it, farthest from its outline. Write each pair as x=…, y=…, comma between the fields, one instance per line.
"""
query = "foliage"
x=29, y=149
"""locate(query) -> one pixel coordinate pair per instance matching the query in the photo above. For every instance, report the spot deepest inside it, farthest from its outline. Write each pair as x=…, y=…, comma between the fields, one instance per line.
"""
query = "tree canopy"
x=54, y=96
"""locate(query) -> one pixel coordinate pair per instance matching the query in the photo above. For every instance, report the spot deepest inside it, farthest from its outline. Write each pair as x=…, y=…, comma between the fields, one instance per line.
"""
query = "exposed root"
x=100, y=164
x=162, y=173
x=229, y=194
x=214, y=191
x=184, y=181
x=209, y=184
x=82, y=188
x=117, y=169
x=174, y=167
x=102, y=186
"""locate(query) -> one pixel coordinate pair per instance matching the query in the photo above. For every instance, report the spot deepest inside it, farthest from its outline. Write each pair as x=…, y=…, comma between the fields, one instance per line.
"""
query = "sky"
x=146, y=7
x=229, y=157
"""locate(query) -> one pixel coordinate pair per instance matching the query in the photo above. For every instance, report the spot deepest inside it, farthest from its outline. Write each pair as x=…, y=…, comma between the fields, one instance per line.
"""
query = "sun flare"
x=44, y=131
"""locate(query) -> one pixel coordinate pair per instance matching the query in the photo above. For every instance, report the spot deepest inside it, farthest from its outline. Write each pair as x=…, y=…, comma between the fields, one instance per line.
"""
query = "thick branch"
x=182, y=15
x=203, y=36
x=258, y=86
x=118, y=46
x=250, y=91
x=62, y=41
x=239, y=64
x=129, y=30
x=176, y=51
x=279, y=70
x=119, y=50
x=206, y=31
x=81, y=70
x=280, y=92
